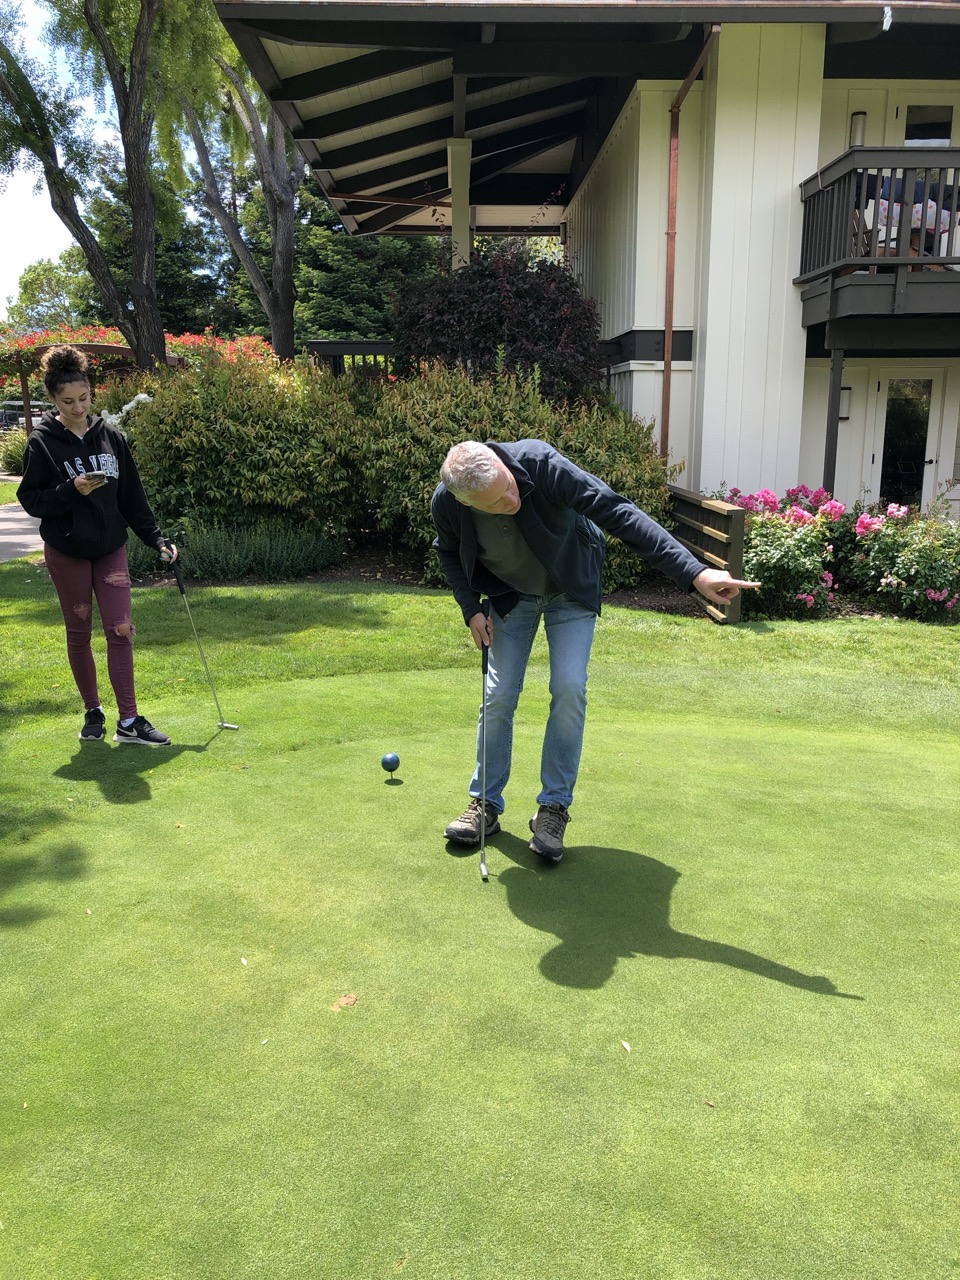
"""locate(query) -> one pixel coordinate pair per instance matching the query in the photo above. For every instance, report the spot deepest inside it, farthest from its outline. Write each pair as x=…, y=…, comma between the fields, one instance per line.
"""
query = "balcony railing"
x=875, y=208
x=373, y=360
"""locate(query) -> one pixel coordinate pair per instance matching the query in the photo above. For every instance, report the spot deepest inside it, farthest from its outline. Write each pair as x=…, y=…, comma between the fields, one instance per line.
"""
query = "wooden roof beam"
x=505, y=112
x=484, y=169
x=350, y=73
x=557, y=58
x=381, y=110
x=362, y=35
x=522, y=144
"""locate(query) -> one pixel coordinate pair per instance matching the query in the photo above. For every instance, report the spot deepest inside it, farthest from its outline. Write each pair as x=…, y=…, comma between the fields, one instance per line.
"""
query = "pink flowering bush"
x=867, y=523
x=803, y=545
x=909, y=563
x=786, y=548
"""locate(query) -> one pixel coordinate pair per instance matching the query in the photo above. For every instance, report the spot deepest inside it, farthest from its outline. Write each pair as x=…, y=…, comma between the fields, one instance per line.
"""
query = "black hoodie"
x=91, y=526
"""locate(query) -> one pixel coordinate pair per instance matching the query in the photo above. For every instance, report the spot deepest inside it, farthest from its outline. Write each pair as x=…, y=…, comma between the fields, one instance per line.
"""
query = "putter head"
x=222, y=724
x=483, y=871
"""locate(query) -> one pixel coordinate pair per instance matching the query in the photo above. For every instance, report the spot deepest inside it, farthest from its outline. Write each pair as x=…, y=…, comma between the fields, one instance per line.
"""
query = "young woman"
x=80, y=479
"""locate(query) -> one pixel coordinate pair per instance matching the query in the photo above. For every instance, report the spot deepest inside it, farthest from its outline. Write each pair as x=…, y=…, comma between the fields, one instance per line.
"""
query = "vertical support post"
x=25, y=392
x=459, y=151
x=833, y=421
x=664, y=423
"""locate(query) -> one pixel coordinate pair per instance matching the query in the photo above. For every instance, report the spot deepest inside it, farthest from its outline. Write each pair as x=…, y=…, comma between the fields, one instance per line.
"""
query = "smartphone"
x=97, y=475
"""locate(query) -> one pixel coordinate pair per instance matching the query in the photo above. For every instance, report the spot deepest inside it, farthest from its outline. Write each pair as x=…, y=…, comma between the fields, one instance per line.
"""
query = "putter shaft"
x=485, y=663
x=221, y=723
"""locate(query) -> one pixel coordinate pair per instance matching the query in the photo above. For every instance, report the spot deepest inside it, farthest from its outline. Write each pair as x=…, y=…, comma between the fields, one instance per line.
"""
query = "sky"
x=29, y=230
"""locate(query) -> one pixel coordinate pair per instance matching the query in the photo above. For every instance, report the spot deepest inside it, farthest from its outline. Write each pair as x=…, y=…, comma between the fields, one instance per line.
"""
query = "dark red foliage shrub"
x=505, y=312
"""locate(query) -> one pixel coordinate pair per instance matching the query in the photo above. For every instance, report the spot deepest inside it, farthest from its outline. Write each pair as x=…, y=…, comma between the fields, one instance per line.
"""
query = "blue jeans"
x=569, y=627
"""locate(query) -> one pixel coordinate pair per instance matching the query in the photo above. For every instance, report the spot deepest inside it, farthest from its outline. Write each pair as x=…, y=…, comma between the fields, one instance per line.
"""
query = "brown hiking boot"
x=466, y=828
x=548, y=825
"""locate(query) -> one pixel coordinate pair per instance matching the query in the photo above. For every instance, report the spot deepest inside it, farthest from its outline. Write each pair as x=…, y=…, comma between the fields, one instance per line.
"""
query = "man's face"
x=502, y=498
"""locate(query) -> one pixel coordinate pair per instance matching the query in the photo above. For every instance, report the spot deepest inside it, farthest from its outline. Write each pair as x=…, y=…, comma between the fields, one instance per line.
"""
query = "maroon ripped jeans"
x=77, y=581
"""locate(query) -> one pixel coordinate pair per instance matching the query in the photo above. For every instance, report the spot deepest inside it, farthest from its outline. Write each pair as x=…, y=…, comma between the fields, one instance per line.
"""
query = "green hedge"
x=272, y=551
x=229, y=446
x=12, y=445
x=234, y=444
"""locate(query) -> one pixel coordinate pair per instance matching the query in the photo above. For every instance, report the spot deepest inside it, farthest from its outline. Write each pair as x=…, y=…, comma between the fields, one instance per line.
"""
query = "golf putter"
x=177, y=573
x=485, y=662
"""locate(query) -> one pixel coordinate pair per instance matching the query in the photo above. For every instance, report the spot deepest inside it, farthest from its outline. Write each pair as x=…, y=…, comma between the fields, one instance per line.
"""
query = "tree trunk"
x=280, y=180
x=151, y=346
x=283, y=292
x=129, y=86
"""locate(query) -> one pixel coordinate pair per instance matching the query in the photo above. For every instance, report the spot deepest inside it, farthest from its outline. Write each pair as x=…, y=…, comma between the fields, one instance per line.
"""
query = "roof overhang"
x=372, y=90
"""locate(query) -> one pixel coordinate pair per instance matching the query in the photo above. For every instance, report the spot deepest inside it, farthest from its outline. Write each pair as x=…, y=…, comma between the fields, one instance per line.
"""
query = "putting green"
x=762, y=908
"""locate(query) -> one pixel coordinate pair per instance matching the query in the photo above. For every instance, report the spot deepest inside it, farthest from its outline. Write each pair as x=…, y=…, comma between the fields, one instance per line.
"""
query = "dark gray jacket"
x=561, y=507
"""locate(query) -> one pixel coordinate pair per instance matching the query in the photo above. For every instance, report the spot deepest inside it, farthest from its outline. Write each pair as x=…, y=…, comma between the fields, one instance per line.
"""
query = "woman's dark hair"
x=61, y=365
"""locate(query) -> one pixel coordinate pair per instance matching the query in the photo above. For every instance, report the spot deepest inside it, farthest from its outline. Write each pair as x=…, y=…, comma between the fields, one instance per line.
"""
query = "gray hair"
x=469, y=468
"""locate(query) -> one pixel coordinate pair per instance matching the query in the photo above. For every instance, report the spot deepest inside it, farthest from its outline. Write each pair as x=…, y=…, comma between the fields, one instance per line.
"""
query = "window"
x=928, y=126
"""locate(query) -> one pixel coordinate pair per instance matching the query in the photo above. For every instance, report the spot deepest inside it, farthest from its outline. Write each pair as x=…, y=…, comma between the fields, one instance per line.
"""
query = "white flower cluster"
x=114, y=419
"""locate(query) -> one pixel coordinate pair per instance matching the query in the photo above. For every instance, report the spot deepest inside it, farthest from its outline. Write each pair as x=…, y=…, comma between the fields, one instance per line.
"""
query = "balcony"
x=880, y=257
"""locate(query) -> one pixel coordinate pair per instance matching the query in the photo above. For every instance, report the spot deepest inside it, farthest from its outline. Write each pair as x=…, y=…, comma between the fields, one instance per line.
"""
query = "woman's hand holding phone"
x=92, y=480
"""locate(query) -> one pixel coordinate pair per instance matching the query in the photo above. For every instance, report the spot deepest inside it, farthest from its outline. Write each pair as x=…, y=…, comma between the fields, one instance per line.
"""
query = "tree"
x=186, y=284
x=246, y=115
x=135, y=51
x=346, y=284
x=43, y=300
x=506, y=310
x=44, y=122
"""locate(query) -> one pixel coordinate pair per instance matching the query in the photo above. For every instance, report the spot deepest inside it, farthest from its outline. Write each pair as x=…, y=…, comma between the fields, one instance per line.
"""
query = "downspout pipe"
x=675, y=106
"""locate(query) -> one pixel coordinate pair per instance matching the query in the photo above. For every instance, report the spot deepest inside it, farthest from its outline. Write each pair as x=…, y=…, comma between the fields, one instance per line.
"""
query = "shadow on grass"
x=16, y=711
x=66, y=862
x=223, y=612
x=610, y=904
x=118, y=770
x=226, y=614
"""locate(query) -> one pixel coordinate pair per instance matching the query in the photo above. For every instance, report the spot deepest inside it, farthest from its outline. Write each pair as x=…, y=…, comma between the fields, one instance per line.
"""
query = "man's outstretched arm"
x=718, y=586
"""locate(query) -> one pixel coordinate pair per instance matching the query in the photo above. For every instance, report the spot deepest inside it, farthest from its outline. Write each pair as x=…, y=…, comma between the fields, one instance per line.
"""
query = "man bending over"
x=521, y=524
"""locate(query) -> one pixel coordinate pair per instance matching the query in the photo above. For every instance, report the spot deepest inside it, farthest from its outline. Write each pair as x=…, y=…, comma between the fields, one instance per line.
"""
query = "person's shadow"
x=605, y=904
x=118, y=771
x=62, y=863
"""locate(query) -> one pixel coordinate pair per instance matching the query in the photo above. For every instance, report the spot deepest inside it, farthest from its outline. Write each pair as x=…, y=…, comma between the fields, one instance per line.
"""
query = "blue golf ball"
x=390, y=762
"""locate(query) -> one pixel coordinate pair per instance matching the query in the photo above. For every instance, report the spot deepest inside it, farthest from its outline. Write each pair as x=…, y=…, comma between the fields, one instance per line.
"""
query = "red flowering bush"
x=22, y=352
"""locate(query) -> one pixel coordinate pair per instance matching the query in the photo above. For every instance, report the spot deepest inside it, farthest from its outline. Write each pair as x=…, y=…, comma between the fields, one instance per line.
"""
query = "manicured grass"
x=759, y=899
x=8, y=491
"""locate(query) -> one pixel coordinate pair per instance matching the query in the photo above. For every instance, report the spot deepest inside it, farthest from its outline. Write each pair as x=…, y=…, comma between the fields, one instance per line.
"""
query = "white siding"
x=885, y=107
x=651, y=269
x=616, y=242
x=602, y=224
x=762, y=123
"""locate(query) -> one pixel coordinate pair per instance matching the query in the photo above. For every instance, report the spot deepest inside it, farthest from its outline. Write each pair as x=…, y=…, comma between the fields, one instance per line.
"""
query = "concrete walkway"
x=19, y=533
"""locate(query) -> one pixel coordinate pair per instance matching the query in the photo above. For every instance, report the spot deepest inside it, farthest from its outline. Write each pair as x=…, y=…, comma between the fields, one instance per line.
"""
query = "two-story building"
x=763, y=197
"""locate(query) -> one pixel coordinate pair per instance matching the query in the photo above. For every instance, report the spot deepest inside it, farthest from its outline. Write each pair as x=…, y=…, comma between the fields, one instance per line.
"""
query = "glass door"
x=904, y=457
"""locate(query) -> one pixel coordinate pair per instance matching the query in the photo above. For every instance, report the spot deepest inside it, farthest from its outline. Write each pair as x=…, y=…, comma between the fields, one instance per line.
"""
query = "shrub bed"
x=12, y=445
x=805, y=548
x=228, y=446
x=272, y=551
x=416, y=421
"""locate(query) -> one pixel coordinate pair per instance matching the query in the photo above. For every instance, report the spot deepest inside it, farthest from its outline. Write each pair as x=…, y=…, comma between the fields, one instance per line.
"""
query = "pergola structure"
x=464, y=115
x=113, y=355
